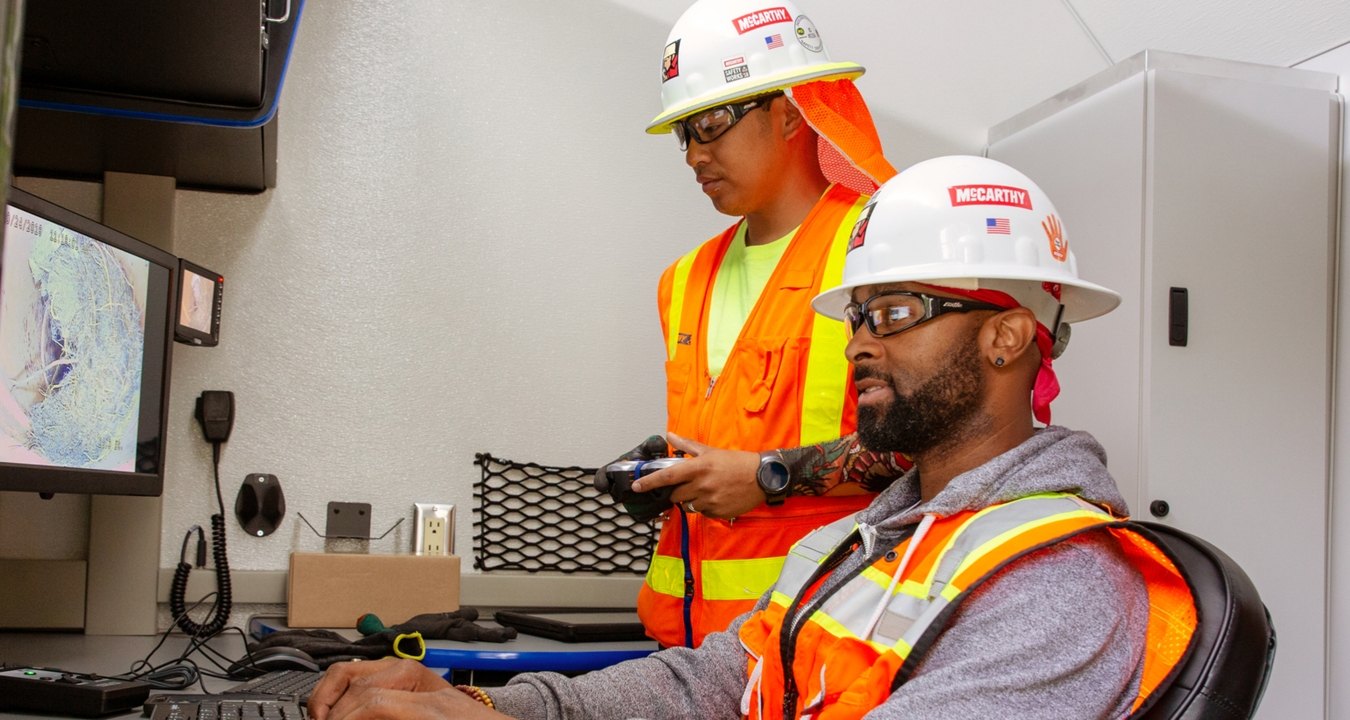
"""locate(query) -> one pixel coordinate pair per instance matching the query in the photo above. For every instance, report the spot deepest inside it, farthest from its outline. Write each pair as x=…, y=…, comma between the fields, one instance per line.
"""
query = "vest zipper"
x=787, y=639
x=711, y=382
x=688, y=609
x=798, y=611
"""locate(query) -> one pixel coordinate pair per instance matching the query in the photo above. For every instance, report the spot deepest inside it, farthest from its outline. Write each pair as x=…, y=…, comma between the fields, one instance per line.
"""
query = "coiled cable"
x=220, y=613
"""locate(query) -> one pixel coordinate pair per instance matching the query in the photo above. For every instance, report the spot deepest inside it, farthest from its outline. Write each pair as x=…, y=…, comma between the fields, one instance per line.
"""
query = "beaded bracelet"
x=478, y=694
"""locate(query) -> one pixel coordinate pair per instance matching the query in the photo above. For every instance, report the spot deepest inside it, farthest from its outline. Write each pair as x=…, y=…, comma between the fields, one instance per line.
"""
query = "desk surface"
x=527, y=653
x=106, y=655
x=111, y=655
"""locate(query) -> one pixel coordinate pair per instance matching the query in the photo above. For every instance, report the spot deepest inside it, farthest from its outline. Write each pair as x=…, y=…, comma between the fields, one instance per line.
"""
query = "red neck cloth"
x=1046, y=388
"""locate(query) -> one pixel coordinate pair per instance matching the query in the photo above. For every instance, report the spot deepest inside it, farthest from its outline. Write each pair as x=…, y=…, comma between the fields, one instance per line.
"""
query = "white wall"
x=1338, y=61
x=460, y=256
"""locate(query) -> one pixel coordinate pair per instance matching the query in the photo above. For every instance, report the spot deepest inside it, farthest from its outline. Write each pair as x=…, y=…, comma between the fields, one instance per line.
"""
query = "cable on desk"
x=180, y=672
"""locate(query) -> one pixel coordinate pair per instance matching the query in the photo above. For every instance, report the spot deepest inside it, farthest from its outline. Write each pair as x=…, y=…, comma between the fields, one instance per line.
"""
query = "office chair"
x=1225, y=670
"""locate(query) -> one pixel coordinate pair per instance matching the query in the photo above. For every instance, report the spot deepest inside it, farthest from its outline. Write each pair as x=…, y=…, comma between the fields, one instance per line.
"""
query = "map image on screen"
x=72, y=338
x=195, y=305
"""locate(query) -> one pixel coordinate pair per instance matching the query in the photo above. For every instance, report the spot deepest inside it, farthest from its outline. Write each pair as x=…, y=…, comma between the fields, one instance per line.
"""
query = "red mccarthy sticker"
x=760, y=18
x=989, y=195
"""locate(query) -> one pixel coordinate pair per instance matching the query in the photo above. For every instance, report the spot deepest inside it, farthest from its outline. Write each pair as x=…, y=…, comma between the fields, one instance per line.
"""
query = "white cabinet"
x=1172, y=171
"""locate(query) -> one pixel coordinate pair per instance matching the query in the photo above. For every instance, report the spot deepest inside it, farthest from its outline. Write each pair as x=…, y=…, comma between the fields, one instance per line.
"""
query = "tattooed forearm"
x=823, y=468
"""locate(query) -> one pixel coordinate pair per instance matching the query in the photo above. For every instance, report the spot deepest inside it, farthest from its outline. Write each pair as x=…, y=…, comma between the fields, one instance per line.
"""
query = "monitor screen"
x=86, y=322
x=199, y=294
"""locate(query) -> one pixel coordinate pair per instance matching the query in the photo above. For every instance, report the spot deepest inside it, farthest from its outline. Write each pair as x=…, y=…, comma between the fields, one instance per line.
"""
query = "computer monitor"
x=86, y=327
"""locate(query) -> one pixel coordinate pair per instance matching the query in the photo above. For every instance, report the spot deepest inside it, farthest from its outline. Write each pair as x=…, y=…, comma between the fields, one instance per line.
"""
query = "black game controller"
x=617, y=479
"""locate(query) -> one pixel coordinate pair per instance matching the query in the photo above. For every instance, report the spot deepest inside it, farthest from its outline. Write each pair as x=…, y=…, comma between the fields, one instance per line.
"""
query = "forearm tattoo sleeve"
x=818, y=469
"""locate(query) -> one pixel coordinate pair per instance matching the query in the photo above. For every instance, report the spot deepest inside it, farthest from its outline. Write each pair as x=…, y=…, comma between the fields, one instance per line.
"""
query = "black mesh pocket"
x=533, y=517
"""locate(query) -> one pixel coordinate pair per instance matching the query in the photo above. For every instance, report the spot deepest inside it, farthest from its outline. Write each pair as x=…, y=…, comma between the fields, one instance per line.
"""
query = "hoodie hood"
x=1054, y=459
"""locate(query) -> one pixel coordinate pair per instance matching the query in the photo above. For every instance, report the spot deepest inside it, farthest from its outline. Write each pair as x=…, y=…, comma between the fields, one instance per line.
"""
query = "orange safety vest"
x=869, y=656
x=786, y=383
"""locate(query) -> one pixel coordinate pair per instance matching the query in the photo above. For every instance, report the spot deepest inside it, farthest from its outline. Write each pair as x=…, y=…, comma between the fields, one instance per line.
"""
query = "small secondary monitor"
x=86, y=317
x=199, y=294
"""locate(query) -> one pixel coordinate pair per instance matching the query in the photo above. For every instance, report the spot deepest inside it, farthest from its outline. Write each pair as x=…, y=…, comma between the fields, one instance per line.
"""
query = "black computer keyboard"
x=279, y=682
x=276, y=695
x=224, y=707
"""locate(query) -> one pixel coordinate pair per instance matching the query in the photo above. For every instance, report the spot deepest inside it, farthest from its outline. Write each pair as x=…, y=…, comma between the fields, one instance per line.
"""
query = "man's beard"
x=940, y=410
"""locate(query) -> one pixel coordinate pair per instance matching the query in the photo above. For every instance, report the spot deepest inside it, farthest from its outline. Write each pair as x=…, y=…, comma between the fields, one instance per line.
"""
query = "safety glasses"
x=712, y=123
x=893, y=312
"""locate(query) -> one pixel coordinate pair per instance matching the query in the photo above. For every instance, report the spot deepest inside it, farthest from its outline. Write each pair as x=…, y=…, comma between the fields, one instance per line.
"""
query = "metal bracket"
x=348, y=520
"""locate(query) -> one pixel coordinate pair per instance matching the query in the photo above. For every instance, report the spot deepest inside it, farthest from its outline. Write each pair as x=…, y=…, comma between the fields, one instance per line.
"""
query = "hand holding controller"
x=617, y=480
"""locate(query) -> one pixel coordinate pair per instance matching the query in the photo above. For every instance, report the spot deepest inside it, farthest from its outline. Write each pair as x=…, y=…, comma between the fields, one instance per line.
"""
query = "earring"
x=998, y=362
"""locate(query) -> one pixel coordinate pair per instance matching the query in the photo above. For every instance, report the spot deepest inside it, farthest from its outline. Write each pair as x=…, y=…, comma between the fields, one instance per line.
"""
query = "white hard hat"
x=970, y=223
x=723, y=50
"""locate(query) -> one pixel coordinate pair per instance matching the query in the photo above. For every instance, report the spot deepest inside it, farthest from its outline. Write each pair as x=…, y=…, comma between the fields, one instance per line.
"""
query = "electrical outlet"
x=433, y=529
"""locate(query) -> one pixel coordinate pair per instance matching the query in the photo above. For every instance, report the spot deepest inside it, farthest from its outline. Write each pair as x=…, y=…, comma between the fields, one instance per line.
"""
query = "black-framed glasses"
x=712, y=123
x=895, y=311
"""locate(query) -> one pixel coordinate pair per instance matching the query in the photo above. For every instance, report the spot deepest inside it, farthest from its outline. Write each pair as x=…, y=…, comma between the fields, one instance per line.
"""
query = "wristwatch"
x=773, y=477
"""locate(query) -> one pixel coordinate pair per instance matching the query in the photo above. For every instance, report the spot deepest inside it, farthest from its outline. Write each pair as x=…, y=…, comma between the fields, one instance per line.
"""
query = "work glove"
x=328, y=647
x=404, y=640
x=641, y=505
x=457, y=625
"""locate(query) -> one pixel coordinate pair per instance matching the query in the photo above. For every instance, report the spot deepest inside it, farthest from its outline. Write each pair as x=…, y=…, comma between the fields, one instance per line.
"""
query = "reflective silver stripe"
x=988, y=524
x=910, y=610
x=806, y=555
x=912, y=616
x=917, y=601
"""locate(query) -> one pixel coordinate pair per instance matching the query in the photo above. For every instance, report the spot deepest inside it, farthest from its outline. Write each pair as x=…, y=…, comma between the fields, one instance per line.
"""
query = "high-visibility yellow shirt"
x=741, y=278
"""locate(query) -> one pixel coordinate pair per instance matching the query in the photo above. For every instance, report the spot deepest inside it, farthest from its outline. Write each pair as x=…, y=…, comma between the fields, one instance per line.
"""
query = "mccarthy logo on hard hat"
x=989, y=195
x=760, y=18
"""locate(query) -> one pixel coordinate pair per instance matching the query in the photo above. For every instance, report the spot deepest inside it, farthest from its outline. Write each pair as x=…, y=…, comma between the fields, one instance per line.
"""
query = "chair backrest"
x=1224, y=673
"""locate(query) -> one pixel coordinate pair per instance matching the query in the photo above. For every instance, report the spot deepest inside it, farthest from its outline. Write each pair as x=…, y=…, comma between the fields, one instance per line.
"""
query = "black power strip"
x=66, y=693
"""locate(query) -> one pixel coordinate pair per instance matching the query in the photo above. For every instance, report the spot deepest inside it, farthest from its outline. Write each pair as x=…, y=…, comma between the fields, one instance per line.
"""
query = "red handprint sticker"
x=1059, y=247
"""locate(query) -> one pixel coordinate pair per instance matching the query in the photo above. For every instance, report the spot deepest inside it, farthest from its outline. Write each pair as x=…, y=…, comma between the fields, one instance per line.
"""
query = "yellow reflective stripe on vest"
x=679, y=282
x=745, y=579
x=666, y=575
x=826, y=365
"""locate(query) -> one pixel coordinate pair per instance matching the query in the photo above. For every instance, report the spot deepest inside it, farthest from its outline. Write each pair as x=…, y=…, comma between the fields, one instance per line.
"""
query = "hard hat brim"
x=1082, y=300
x=838, y=70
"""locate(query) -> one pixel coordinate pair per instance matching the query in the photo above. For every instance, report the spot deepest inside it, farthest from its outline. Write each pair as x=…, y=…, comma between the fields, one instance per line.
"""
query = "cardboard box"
x=333, y=590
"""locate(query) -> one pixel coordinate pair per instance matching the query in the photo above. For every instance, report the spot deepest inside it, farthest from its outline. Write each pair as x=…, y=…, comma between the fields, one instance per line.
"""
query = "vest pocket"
x=677, y=376
x=677, y=384
x=761, y=361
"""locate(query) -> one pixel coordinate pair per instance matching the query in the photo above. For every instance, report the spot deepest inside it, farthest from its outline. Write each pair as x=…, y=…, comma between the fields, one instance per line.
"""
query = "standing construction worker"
x=778, y=136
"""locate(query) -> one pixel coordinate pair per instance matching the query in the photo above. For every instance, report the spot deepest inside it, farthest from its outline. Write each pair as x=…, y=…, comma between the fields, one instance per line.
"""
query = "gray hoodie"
x=1058, y=634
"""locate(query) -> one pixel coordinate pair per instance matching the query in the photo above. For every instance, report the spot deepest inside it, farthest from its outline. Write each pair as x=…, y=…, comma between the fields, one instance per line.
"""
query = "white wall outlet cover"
x=433, y=529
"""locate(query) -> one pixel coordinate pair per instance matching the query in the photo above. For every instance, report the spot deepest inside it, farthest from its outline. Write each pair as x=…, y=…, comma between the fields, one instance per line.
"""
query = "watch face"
x=773, y=475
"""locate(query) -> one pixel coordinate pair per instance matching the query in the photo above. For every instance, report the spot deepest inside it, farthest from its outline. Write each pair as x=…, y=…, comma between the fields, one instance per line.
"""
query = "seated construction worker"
x=988, y=581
